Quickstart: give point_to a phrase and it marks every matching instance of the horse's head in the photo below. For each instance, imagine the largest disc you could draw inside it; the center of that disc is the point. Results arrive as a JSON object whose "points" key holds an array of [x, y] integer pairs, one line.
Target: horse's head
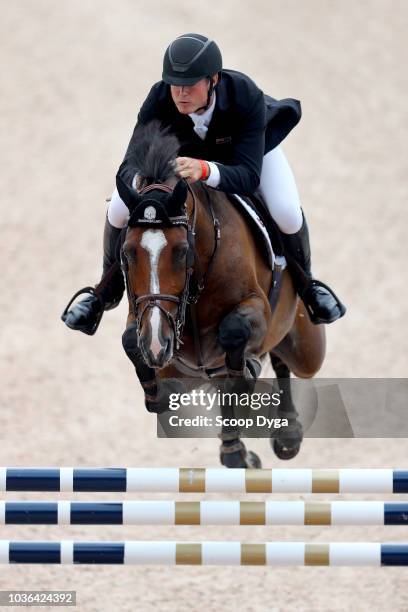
{"points": [[158, 257]]}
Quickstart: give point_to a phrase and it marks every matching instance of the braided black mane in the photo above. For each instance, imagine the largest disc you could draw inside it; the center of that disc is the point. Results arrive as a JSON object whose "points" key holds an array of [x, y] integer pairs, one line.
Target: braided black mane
{"points": [[154, 152]]}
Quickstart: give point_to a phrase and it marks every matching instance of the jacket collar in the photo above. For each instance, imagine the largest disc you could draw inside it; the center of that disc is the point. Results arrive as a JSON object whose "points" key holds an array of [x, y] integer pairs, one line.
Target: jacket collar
{"points": [[222, 95]]}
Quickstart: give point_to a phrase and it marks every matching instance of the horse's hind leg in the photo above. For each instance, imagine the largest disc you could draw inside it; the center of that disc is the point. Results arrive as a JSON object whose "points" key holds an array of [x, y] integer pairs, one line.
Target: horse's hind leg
{"points": [[303, 348], [302, 352], [238, 329], [286, 443]]}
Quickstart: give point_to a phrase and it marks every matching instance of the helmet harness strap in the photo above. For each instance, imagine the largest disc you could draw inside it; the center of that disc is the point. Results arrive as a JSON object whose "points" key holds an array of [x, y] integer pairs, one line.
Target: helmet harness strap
{"points": [[209, 95]]}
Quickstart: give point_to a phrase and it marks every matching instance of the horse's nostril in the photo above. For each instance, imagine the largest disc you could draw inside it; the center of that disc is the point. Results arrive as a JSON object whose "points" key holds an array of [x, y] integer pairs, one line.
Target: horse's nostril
{"points": [[169, 347]]}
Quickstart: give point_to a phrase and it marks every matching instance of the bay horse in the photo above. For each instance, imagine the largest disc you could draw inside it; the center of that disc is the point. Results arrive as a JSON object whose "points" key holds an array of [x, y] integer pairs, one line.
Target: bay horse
{"points": [[198, 285]]}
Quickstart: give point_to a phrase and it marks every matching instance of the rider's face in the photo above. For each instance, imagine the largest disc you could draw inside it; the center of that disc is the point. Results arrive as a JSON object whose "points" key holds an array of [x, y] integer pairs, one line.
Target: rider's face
{"points": [[188, 98]]}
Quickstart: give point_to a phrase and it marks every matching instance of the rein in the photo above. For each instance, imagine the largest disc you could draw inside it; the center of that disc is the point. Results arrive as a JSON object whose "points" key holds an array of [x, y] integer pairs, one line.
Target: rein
{"points": [[141, 304]]}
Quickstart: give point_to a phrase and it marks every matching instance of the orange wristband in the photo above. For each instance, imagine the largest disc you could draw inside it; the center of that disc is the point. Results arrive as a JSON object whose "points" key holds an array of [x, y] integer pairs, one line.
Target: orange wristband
{"points": [[205, 170]]}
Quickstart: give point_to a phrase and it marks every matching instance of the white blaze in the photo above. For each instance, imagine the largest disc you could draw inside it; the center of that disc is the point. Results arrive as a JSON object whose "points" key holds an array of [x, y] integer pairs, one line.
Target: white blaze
{"points": [[153, 241]]}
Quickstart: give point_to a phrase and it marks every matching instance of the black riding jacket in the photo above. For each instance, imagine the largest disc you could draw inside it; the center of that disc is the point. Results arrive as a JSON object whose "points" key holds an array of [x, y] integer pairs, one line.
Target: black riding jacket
{"points": [[244, 126]]}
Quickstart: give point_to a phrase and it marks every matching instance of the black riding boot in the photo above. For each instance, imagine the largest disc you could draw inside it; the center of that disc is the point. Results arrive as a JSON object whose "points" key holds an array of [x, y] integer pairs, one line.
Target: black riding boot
{"points": [[321, 302], [86, 315]]}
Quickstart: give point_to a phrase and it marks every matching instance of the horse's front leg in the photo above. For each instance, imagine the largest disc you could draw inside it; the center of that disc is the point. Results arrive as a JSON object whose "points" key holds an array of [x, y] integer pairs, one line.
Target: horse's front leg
{"points": [[157, 385], [147, 376], [240, 333]]}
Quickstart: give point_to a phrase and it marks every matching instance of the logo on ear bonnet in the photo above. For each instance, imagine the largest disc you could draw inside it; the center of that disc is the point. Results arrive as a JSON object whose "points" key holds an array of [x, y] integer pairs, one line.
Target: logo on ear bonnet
{"points": [[149, 213]]}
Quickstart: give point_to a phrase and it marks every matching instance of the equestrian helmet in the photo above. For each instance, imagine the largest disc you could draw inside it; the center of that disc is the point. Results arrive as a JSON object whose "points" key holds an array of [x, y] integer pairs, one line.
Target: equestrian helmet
{"points": [[190, 58]]}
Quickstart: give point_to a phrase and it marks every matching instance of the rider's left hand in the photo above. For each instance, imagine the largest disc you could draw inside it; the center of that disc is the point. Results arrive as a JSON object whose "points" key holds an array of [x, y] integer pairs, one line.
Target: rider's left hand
{"points": [[189, 168]]}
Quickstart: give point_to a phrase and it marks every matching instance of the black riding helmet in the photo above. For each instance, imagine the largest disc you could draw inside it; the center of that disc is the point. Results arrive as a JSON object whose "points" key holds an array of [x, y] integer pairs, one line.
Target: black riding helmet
{"points": [[190, 58]]}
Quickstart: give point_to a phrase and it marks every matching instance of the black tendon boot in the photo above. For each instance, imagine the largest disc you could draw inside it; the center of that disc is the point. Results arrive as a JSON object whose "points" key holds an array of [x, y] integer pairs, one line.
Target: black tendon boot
{"points": [[321, 302], [86, 315]]}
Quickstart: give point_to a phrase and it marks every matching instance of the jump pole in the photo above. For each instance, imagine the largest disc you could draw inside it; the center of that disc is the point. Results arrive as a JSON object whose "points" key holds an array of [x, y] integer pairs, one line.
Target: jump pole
{"points": [[204, 480], [205, 553], [204, 513]]}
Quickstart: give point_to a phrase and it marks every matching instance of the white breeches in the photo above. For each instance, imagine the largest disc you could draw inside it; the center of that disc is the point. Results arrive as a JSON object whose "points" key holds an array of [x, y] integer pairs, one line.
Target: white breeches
{"points": [[118, 213], [277, 187], [279, 191]]}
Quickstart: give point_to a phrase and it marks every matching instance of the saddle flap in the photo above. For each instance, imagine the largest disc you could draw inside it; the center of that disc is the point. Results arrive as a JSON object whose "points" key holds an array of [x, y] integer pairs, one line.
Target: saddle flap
{"points": [[263, 226]]}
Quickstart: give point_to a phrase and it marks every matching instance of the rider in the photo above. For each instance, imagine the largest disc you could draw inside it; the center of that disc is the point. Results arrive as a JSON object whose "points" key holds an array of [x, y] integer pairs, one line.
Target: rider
{"points": [[229, 133]]}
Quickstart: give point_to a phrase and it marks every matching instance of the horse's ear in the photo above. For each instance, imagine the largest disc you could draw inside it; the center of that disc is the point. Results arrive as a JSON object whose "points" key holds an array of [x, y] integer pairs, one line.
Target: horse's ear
{"points": [[127, 194], [179, 195]]}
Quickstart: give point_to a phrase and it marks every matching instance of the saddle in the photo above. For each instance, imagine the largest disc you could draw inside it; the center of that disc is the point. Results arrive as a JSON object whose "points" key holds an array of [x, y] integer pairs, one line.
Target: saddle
{"points": [[269, 238], [258, 206]]}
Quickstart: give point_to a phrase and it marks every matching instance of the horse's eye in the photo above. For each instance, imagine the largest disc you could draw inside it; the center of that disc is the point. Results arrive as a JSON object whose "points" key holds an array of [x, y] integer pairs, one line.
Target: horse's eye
{"points": [[180, 251], [129, 252]]}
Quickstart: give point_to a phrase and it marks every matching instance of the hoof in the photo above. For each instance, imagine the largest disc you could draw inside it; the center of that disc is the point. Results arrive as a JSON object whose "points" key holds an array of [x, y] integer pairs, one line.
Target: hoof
{"points": [[233, 460], [285, 452], [253, 461], [233, 453], [287, 442], [240, 458], [165, 387], [155, 406]]}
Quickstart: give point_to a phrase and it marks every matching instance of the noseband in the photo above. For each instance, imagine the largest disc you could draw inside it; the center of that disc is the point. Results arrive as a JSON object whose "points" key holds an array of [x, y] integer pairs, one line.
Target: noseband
{"points": [[142, 304]]}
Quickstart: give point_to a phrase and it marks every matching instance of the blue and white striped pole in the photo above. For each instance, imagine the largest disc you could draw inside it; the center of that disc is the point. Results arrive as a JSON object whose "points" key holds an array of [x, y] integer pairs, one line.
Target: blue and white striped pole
{"points": [[206, 553], [204, 513], [204, 480]]}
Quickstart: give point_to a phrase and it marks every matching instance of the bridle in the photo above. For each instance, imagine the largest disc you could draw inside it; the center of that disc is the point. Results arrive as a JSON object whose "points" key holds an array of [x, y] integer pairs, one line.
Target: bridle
{"points": [[140, 305]]}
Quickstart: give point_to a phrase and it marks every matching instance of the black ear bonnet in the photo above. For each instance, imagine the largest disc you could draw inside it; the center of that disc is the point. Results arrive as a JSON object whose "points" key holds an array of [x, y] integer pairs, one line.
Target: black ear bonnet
{"points": [[155, 207]]}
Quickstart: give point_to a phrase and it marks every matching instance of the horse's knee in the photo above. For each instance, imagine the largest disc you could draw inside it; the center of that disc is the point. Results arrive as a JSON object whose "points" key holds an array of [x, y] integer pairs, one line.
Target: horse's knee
{"points": [[234, 331], [129, 342]]}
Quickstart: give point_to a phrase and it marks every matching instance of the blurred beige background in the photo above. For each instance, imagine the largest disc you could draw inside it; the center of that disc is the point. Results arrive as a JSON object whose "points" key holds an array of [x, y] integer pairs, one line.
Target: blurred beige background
{"points": [[73, 75]]}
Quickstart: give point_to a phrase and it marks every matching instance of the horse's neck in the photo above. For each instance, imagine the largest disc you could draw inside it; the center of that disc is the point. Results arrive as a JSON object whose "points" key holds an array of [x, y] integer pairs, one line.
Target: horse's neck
{"points": [[204, 220], [205, 232]]}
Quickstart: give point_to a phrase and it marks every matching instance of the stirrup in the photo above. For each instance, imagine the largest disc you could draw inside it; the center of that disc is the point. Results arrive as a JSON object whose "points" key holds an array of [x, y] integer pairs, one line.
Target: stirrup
{"points": [[90, 331], [313, 317]]}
